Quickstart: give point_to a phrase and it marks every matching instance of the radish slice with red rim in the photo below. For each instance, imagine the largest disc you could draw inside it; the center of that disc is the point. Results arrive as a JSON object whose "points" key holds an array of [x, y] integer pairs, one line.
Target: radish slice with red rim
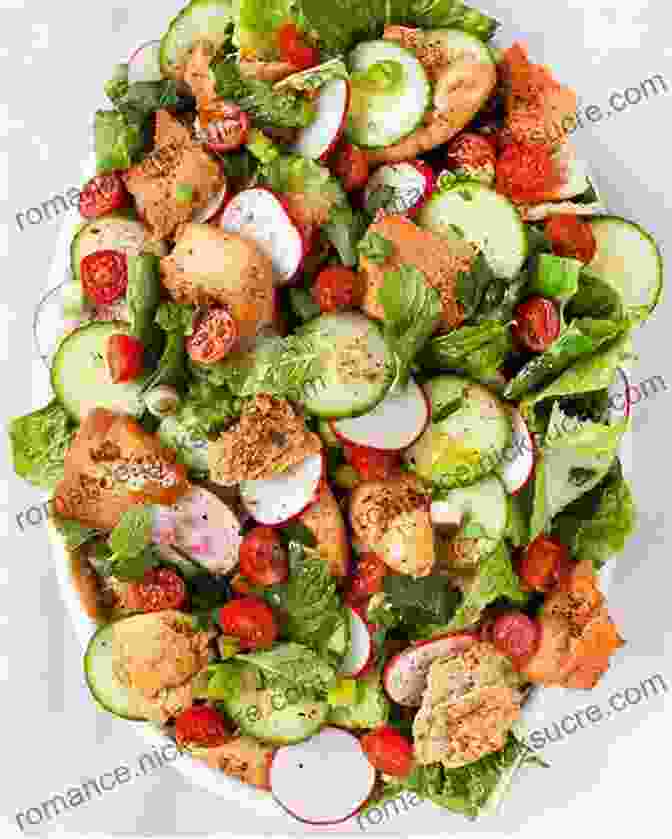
{"points": [[361, 646], [405, 675], [259, 214], [399, 188], [323, 780], [145, 65], [277, 500], [393, 425], [211, 209], [518, 459], [317, 140]]}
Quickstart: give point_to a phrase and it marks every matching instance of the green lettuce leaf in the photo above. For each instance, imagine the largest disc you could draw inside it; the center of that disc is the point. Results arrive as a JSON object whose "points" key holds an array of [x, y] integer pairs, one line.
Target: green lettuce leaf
{"points": [[73, 533], [574, 458], [295, 664], [412, 312], [478, 351], [311, 600], [494, 579], [257, 24], [119, 141], [206, 409], [343, 22], [39, 442], [422, 600]]}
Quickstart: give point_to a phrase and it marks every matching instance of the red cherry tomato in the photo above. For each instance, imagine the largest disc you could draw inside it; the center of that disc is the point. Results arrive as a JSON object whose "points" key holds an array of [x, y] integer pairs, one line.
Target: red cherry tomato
{"points": [[372, 465], [104, 276], [526, 172], [214, 337], [515, 635], [160, 589], [124, 358], [102, 195], [294, 50], [263, 559], [388, 751], [202, 726], [571, 236], [371, 571], [251, 621], [351, 165], [537, 324], [472, 155], [225, 128], [336, 288], [543, 563]]}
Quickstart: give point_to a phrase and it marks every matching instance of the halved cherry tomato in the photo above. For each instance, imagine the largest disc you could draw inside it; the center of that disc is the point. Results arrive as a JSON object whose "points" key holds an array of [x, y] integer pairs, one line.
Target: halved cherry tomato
{"points": [[214, 337], [537, 324], [263, 558], [251, 621], [388, 751], [336, 288], [293, 48], [102, 195], [543, 563], [372, 465], [516, 635], [104, 276], [202, 726], [351, 165], [160, 589], [571, 236], [472, 155], [124, 358], [526, 172], [371, 571]]}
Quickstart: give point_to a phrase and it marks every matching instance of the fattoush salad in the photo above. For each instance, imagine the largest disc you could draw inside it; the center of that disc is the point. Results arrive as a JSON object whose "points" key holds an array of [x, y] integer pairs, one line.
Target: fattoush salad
{"points": [[333, 443]]}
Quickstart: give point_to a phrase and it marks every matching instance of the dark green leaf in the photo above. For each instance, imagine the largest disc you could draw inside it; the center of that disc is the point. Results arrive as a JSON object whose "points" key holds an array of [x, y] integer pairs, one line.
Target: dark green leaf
{"points": [[39, 442], [423, 600], [134, 532], [470, 286], [376, 247]]}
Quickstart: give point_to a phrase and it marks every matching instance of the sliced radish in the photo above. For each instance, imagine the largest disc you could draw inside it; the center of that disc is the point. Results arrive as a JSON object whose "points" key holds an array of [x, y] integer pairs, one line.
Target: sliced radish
{"points": [[405, 675], [202, 526], [518, 459], [283, 497], [211, 209], [145, 65], [361, 646], [324, 780], [399, 188], [393, 425], [260, 215], [320, 138]]}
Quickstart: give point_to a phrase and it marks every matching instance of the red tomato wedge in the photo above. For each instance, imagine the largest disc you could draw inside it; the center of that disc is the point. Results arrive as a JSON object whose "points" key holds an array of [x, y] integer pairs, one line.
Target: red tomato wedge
{"points": [[160, 589], [102, 195], [263, 558], [125, 356], [201, 725], [571, 236], [251, 621], [372, 465], [335, 289], [104, 276], [543, 563], [537, 324], [293, 48], [388, 751], [351, 165], [516, 635], [214, 337]]}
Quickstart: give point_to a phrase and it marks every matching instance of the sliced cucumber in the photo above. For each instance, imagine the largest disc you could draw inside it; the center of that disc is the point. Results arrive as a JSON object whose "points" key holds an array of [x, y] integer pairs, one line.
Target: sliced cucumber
{"points": [[629, 261], [79, 375], [466, 439], [116, 232], [279, 716], [379, 117], [481, 512], [371, 710], [106, 689], [357, 366], [485, 217], [209, 20]]}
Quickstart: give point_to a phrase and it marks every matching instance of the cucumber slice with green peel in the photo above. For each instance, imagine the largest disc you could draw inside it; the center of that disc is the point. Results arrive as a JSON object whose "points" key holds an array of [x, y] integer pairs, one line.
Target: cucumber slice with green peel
{"points": [[79, 375], [484, 217], [370, 711], [381, 116], [116, 232], [277, 715], [629, 261], [470, 522], [106, 689], [357, 370], [201, 20], [466, 440]]}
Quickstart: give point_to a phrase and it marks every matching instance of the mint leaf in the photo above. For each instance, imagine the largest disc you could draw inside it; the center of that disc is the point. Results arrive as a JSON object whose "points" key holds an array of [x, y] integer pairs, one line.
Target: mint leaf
{"points": [[134, 532], [412, 310], [295, 663], [39, 442], [422, 600]]}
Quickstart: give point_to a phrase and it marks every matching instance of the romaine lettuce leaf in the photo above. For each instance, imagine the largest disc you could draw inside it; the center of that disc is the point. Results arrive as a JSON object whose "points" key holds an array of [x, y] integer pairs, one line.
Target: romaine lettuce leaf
{"points": [[295, 664], [119, 141], [39, 442], [479, 351], [574, 458], [342, 22]]}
